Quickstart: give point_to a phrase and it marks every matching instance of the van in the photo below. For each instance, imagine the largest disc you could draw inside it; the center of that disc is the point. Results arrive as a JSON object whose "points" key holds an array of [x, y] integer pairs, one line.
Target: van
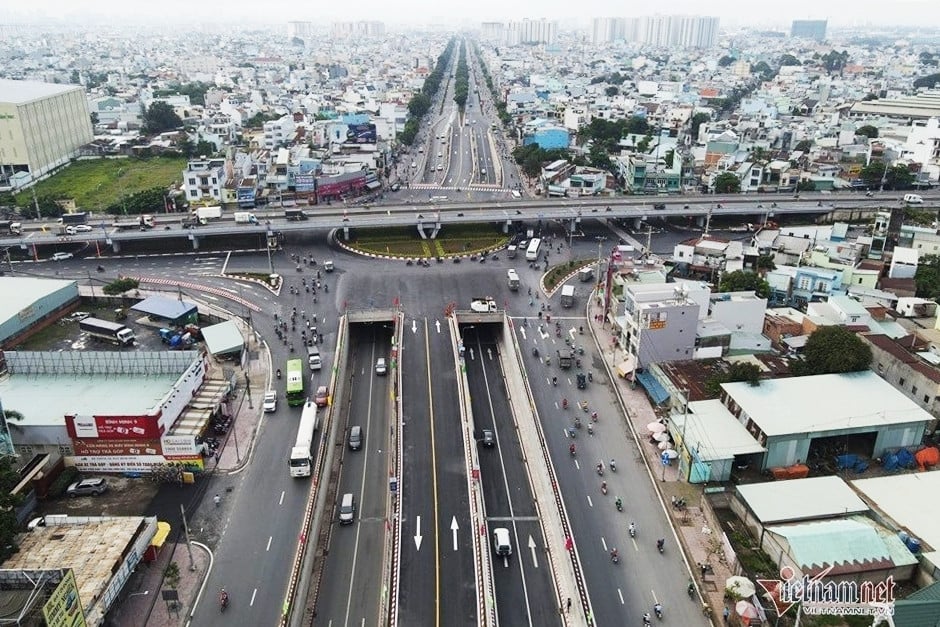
{"points": [[511, 251], [501, 543], [355, 438], [913, 199], [347, 509], [516, 193], [313, 358]]}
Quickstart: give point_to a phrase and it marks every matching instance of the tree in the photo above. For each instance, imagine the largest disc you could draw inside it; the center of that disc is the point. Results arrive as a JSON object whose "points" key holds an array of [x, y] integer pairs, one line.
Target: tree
{"points": [[670, 158], [806, 186], [835, 61], [895, 177], [788, 59], [726, 60], [727, 183], [832, 349], [9, 478], [697, 120], [204, 148], [868, 131], [186, 146], [738, 371], [766, 263], [930, 81], [644, 144], [744, 281], [599, 158], [804, 145], [161, 117], [612, 91], [927, 277]]}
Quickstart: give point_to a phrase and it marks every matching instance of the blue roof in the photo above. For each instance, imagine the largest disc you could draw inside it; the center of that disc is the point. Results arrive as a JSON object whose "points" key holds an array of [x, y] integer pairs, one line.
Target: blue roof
{"points": [[653, 387], [168, 308]]}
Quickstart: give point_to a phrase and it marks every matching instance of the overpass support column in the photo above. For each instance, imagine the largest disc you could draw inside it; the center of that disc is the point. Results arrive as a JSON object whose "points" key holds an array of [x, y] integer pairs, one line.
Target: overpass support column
{"points": [[115, 245], [700, 221], [507, 225], [421, 231], [637, 223], [194, 240], [346, 233], [437, 229]]}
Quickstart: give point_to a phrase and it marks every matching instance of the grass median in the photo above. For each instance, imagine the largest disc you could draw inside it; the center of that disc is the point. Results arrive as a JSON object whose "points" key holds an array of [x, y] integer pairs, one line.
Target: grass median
{"points": [[451, 240]]}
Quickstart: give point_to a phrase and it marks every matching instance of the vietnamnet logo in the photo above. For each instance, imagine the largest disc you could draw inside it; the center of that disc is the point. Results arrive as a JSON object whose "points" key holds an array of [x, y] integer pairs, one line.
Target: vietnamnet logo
{"points": [[840, 598]]}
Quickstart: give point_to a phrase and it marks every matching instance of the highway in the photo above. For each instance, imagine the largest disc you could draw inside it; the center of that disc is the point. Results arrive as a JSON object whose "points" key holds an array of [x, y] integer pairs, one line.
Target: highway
{"points": [[351, 588], [523, 581]]}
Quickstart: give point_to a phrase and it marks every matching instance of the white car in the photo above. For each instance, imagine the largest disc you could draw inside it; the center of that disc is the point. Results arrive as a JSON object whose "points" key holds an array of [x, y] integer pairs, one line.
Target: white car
{"points": [[270, 401], [61, 256], [83, 228]]}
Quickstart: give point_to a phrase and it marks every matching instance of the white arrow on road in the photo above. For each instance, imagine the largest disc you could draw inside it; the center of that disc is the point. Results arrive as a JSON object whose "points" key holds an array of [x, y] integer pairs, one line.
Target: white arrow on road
{"points": [[414, 326], [522, 332], [471, 355], [437, 324], [489, 353], [418, 537], [453, 528], [535, 557]]}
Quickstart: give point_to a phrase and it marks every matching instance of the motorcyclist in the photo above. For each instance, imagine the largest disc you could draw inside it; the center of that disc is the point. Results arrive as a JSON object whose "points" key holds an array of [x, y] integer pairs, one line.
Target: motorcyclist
{"points": [[613, 465], [658, 610], [661, 544], [554, 380], [216, 499], [646, 618], [619, 503], [572, 448], [632, 529], [614, 555], [600, 468], [604, 487], [223, 597], [278, 373]]}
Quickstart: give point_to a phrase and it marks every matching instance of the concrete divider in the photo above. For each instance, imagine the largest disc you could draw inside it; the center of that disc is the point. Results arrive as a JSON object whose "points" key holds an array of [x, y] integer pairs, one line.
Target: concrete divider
{"points": [[560, 547], [393, 535]]}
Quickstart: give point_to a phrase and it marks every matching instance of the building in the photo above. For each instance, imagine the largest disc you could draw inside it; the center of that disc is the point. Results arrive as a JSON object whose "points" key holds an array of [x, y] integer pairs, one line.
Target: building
{"points": [[658, 322], [29, 305], [279, 133], [527, 31], [922, 106], [42, 127], [809, 29], [203, 179], [358, 29], [492, 31], [682, 31], [299, 30]]}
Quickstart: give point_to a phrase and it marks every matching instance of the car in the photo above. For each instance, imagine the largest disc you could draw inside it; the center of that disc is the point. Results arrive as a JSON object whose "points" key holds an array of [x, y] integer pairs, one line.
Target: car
{"points": [[83, 228], [322, 397], [61, 256], [381, 367], [78, 316], [659, 205], [440, 166], [501, 542], [396, 187], [270, 401], [88, 487], [489, 438]]}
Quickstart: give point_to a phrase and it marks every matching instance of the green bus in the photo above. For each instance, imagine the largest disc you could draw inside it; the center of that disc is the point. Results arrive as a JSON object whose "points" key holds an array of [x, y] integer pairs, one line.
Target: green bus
{"points": [[295, 382]]}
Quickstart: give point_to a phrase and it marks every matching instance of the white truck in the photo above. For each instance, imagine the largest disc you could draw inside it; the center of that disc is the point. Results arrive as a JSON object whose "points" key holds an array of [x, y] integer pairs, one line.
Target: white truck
{"points": [[512, 279], [245, 217], [11, 228], [141, 222], [301, 457], [203, 214], [484, 304], [567, 296], [108, 331]]}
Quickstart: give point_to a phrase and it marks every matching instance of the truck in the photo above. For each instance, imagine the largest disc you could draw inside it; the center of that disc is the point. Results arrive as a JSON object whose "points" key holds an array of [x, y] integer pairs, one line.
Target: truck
{"points": [[176, 339], [586, 274], [567, 296], [80, 217], [245, 217], [512, 279], [301, 457], [511, 251], [108, 331], [483, 304], [142, 222], [202, 215], [295, 215], [12, 228], [565, 357]]}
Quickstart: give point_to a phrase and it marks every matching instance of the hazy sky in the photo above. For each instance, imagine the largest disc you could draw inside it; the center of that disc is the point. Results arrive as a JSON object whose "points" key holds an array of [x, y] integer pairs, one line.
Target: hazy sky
{"points": [[923, 13]]}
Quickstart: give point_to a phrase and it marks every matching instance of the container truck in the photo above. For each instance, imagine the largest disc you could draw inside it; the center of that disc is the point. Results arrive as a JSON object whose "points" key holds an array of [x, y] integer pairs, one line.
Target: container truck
{"points": [[203, 214], [108, 331], [141, 222], [301, 457], [567, 295], [512, 279], [295, 215], [80, 217], [245, 217]]}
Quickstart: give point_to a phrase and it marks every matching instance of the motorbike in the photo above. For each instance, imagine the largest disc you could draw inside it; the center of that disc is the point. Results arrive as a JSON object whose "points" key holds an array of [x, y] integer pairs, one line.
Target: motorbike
{"points": [[223, 601], [600, 470], [555, 381], [535, 352], [604, 487], [572, 449], [564, 403], [279, 373], [100, 268], [614, 557], [658, 610], [619, 504], [691, 589], [661, 545], [591, 428], [613, 466], [577, 422], [632, 529], [594, 416]]}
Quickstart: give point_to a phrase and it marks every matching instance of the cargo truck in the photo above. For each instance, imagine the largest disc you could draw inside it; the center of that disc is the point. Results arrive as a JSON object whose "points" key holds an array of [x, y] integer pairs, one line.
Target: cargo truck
{"points": [[80, 217], [567, 295], [142, 222], [301, 458], [245, 217], [295, 215], [483, 305], [108, 331], [202, 215], [11, 228], [586, 274], [512, 279]]}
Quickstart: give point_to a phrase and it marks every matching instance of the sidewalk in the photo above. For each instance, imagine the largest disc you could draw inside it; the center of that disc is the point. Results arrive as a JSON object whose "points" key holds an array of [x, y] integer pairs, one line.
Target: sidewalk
{"points": [[695, 527]]}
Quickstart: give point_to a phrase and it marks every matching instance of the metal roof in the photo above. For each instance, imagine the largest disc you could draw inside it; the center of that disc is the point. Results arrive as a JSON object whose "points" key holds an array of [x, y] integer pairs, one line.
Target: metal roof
{"points": [[21, 293], [22, 92], [910, 500], [801, 499], [824, 402], [714, 432], [167, 308], [224, 337]]}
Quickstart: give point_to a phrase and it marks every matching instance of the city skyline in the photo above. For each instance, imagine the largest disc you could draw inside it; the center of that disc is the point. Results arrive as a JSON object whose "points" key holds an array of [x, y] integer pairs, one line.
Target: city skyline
{"points": [[840, 13]]}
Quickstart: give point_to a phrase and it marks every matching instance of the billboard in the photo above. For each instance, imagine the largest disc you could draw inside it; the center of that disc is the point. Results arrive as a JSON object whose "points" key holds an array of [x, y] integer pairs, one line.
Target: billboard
{"points": [[305, 182], [116, 447], [64, 608], [182, 446], [360, 134], [113, 427], [113, 463]]}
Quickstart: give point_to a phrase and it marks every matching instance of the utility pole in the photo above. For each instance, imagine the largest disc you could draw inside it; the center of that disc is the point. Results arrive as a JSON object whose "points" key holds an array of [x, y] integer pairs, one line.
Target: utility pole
{"points": [[189, 546]]}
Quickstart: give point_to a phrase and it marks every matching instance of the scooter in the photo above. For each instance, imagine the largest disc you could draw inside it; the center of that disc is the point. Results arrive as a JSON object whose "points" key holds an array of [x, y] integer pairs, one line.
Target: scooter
{"points": [[614, 557], [619, 504], [223, 601], [604, 487], [661, 545]]}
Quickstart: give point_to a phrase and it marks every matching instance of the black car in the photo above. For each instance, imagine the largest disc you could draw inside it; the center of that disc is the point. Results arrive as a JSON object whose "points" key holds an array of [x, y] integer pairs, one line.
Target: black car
{"points": [[582, 381], [659, 205], [489, 438]]}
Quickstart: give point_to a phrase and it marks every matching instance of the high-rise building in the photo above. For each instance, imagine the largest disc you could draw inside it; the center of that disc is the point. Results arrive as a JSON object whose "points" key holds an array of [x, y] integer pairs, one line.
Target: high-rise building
{"points": [[810, 29], [300, 30], [42, 126], [684, 31], [358, 29], [539, 31], [492, 31]]}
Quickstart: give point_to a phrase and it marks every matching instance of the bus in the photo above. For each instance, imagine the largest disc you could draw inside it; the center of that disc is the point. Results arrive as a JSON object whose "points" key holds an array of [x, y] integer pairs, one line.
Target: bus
{"points": [[532, 252], [301, 456], [295, 382]]}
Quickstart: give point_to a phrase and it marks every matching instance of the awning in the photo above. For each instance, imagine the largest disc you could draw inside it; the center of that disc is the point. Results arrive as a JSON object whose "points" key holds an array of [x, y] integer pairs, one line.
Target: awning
{"points": [[654, 388], [163, 532], [373, 185], [627, 366]]}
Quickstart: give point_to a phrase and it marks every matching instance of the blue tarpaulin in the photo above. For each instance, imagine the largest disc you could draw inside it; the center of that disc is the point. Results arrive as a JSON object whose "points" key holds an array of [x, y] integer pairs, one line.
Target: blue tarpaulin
{"points": [[653, 387]]}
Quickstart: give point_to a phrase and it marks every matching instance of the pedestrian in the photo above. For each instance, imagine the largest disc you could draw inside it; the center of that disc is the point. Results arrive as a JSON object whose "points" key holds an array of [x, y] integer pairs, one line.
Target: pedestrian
{"points": [[568, 606], [725, 613]]}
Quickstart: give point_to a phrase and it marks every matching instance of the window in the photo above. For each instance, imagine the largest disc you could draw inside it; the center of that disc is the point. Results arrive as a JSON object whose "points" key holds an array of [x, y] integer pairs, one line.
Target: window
{"points": [[914, 390], [926, 399], [804, 283], [901, 381], [192, 181]]}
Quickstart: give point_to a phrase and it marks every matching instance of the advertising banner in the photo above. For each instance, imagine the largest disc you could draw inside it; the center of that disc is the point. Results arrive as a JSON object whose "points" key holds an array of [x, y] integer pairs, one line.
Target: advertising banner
{"points": [[360, 134], [64, 608], [113, 427], [305, 182], [116, 447], [178, 445], [104, 463]]}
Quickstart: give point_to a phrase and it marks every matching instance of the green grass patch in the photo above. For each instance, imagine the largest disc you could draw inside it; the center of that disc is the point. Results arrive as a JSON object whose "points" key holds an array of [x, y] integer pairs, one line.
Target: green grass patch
{"points": [[97, 183], [556, 274], [462, 239]]}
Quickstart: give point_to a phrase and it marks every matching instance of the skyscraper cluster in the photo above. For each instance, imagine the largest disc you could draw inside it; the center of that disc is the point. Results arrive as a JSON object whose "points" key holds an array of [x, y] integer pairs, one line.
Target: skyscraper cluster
{"points": [[685, 31]]}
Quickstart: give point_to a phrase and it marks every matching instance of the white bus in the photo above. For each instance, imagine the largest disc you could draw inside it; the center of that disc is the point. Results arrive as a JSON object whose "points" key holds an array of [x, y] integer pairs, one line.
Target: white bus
{"points": [[301, 457], [532, 252]]}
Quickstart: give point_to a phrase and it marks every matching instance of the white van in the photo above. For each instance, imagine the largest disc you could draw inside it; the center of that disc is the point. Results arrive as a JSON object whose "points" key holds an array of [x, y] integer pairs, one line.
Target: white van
{"points": [[501, 543], [347, 509], [313, 358], [913, 199]]}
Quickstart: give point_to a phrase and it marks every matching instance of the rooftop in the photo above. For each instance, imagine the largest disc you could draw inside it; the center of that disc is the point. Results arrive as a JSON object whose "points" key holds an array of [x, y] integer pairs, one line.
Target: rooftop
{"points": [[21, 293], [909, 499], [801, 499], [23, 92], [825, 402], [714, 432]]}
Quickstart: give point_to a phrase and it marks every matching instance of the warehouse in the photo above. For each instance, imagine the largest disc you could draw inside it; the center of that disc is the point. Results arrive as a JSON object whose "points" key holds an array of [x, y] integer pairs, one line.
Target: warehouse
{"points": [[29, 305], [42, 126]]}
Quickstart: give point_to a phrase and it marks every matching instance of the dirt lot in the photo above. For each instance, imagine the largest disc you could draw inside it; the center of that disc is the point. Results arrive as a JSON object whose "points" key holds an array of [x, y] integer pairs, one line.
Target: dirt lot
{"points": [[125, 497]]}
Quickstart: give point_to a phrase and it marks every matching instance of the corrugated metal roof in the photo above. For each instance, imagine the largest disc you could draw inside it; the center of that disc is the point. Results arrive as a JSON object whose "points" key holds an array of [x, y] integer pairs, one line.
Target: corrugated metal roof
{"points": [[910, 500], [168, 308], [714, 432], [223, 338], [22, 92], [801, 499]]}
